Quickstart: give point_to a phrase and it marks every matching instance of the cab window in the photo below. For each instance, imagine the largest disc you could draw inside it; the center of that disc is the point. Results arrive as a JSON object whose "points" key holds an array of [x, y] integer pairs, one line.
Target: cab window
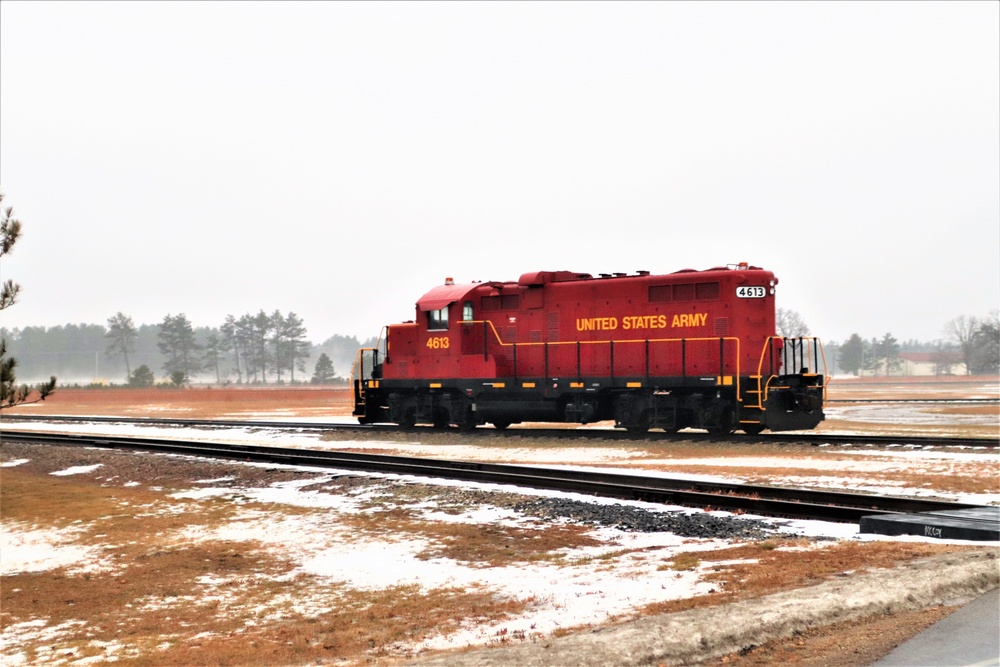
{"points": [[437, 320], [467, 312]]}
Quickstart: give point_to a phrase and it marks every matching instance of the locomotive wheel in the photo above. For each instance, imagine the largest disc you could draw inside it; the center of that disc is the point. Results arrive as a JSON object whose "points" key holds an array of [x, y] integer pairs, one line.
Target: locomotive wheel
{"points": [[441, 418], [500, 425], [753, 429], [726, 423], [468, 421], [409, 419], [641, 425]]}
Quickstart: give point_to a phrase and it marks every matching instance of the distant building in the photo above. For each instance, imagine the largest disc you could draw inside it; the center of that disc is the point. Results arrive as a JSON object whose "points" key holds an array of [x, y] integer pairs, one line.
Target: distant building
{"points": [[945, 362]]}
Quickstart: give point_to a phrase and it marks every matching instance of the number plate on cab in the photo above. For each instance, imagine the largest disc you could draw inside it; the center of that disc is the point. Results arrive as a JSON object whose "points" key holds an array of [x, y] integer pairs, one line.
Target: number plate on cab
{"points": [[745, 292]]}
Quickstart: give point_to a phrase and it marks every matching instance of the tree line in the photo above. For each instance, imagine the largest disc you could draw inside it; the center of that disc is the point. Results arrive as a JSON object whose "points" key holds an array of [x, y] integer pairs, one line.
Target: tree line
{"points": [[969, 344], [252, 346], [272, 348], [256, 348]]}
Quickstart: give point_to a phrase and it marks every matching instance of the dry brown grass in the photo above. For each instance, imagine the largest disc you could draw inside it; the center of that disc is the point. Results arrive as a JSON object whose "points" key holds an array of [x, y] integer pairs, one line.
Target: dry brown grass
{"points": [[777, 565], [977, 410], [932, 388], [152, 595], [855, 644], [837, 426], [193, 402], [152, 599], [475, 545], [498, 546]]}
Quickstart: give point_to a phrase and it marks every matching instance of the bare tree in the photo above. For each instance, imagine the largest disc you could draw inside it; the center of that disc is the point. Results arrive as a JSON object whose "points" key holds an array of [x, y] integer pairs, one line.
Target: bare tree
{"points": [[789, 323], [944, 358], [962, 332]]}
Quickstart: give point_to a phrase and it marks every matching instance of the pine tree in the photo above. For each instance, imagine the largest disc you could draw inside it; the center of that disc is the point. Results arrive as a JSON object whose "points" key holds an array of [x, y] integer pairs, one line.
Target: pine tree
{"points": [[121, 336], [10, 393], [177, 341], [142, 377], [887, 351], [323, 373], [294, 347], [851, 355]]}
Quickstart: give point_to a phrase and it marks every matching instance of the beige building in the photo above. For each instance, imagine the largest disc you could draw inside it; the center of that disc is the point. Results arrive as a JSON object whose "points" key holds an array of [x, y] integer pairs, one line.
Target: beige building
{"points": [[931, 363]]}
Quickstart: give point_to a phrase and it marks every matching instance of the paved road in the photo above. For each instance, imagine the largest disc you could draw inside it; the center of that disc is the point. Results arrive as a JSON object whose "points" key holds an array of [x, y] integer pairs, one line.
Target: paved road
{"points": [[968, 638]]}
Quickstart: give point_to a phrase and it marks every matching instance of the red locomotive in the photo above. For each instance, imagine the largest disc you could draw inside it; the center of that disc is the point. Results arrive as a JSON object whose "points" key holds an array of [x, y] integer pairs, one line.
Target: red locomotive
{"points": [[688, 349]]}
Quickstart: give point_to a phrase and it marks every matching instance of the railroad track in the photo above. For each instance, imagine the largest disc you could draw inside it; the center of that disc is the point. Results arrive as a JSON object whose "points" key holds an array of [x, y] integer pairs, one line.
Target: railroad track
{"points": [[988, 400], [519, 432], [746, 498]]}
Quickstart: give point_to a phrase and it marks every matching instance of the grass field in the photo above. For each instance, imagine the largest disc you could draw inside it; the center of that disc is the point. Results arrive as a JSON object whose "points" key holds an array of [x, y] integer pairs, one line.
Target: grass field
{"points": [[956, 419], [137, 564]]}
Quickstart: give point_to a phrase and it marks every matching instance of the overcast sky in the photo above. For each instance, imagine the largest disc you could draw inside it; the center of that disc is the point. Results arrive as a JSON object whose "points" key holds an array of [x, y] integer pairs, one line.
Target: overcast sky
{"points": [[338, 160]]}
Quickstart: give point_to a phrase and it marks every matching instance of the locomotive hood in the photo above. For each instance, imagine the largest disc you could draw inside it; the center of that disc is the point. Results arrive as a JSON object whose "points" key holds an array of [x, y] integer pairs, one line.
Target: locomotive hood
{"points": [[443, 296]]}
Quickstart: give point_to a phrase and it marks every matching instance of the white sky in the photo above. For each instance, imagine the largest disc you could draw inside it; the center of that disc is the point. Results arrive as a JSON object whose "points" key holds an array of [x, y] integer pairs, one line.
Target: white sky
{"points": [[338, 160]]}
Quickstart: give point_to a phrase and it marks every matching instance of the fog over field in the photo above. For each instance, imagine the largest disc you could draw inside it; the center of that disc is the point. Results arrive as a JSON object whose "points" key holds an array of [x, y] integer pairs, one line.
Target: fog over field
{"points": [[337, 160]]}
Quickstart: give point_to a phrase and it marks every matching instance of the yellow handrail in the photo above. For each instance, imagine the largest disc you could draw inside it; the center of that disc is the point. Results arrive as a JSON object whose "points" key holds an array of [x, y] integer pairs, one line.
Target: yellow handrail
{"points": [[765, 388], [608, 341]]}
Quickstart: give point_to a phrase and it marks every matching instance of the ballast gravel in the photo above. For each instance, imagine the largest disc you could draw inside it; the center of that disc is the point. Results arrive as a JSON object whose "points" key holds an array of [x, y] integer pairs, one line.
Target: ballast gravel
{"points": [[636, 519]]}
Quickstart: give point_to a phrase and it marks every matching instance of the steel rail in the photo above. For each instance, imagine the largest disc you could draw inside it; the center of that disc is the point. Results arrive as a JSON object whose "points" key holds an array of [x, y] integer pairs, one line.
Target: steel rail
{"points": [[913, 400], [754, 499], [543, 432], [176, 421]]}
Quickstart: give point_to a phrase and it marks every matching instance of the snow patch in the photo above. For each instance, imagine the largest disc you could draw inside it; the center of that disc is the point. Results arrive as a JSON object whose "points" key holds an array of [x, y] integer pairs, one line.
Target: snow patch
{"points": [[25, 549], [76, 470]]}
